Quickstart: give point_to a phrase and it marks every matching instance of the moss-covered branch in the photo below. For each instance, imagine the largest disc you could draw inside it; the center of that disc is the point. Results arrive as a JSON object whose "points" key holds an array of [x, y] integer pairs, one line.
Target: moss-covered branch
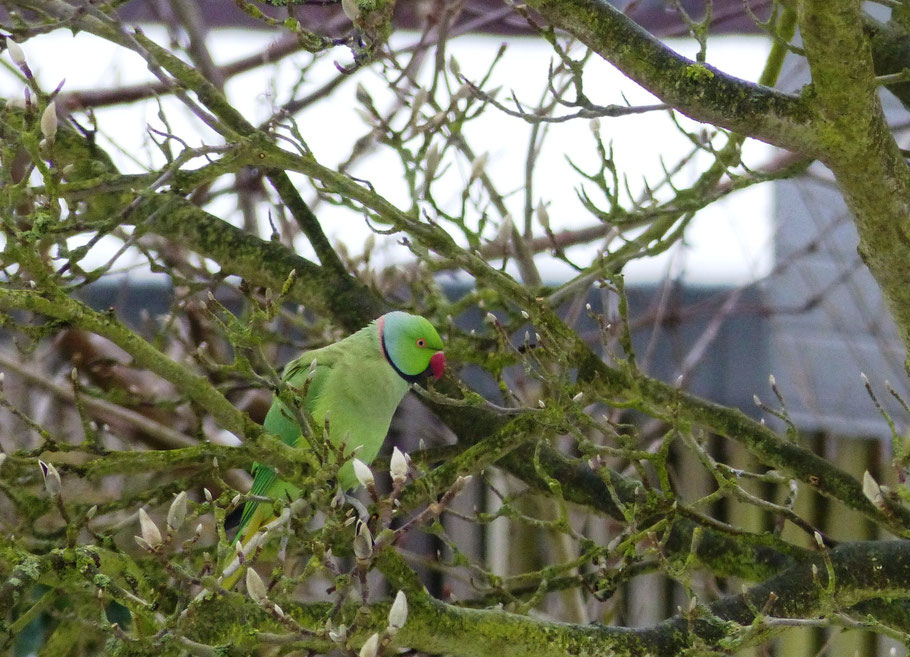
{"points": [[861, 572], [858, 145], [701, 92], [61, 307], [262, 263]]}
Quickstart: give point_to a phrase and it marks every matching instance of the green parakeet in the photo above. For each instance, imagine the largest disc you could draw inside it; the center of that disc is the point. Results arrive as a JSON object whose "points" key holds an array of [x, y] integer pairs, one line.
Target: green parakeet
{"points": [[357, 383]]}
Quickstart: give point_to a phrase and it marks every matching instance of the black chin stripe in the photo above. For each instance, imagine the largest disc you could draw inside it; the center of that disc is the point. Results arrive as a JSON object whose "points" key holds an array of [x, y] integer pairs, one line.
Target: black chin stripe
{"points": [[410, 378]]}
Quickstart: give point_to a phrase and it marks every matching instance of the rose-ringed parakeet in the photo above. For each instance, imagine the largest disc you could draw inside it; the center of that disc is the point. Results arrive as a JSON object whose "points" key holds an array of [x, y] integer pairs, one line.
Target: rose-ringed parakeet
{"points": [[356, 383]]}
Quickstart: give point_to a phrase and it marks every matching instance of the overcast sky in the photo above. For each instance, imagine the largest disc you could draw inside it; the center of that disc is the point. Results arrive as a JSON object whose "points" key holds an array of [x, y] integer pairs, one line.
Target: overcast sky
{"points": [[729, 242]]}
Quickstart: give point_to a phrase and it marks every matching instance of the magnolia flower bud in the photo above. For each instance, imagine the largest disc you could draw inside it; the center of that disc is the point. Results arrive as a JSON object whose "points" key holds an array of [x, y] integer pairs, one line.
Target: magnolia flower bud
{"points": [[398, 466], [398, 613], [872, 490], [49, 122], [15, 53], [339, 634], [543, 217], [2, 459], [93, 510], [149, 529], [363, 541], [595, 127], [52, 483], [819, 539], [144, 544], [363, 473], [370, 647], [351, 9], [177, 513], [208, 494], [338, 499], [255, 587], [362, 95], [506, 228]]}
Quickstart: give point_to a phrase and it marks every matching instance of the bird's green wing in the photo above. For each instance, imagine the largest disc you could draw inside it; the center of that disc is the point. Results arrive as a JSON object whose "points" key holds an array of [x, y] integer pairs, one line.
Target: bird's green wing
{"points": [[360, 398], [280, 422]]}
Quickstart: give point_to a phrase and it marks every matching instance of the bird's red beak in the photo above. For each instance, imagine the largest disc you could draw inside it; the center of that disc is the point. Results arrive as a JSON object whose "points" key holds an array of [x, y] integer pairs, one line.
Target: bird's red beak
{"points": [[438, 364]]}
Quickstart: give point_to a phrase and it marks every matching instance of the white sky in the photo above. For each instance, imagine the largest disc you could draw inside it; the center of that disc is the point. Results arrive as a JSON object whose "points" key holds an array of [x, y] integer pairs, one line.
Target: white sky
{"points": [[729, 242]]}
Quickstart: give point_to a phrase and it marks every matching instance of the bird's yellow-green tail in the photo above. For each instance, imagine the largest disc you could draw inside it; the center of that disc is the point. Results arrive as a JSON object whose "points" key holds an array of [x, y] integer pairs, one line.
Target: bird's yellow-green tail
{"points": [[261, 515]]}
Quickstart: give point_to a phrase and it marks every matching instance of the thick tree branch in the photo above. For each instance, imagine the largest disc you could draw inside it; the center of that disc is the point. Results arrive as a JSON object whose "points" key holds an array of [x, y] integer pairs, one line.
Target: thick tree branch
{"points": [[61, 307], [701, 92], [865, 571], [858, 145]]}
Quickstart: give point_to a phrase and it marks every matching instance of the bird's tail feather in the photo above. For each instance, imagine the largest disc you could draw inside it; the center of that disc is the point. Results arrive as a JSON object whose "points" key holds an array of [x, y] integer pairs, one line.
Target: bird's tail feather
{"points": [[241, 542]]}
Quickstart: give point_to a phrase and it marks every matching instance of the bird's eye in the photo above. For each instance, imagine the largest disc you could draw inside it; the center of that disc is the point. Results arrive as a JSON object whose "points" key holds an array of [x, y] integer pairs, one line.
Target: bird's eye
{"points": [[421, 343]]}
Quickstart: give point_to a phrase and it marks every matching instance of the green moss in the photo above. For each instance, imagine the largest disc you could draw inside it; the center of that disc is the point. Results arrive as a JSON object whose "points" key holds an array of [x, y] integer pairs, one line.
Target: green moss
{"points": [[698, 73]]}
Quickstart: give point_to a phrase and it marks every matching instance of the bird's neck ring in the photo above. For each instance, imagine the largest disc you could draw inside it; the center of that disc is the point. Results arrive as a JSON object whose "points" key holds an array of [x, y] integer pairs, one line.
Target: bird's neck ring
{"points": [[380, 326]]}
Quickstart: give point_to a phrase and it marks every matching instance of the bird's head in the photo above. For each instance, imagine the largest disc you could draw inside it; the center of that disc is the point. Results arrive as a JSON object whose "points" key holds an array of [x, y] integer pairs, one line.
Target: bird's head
{"points": [[411, 345]]}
